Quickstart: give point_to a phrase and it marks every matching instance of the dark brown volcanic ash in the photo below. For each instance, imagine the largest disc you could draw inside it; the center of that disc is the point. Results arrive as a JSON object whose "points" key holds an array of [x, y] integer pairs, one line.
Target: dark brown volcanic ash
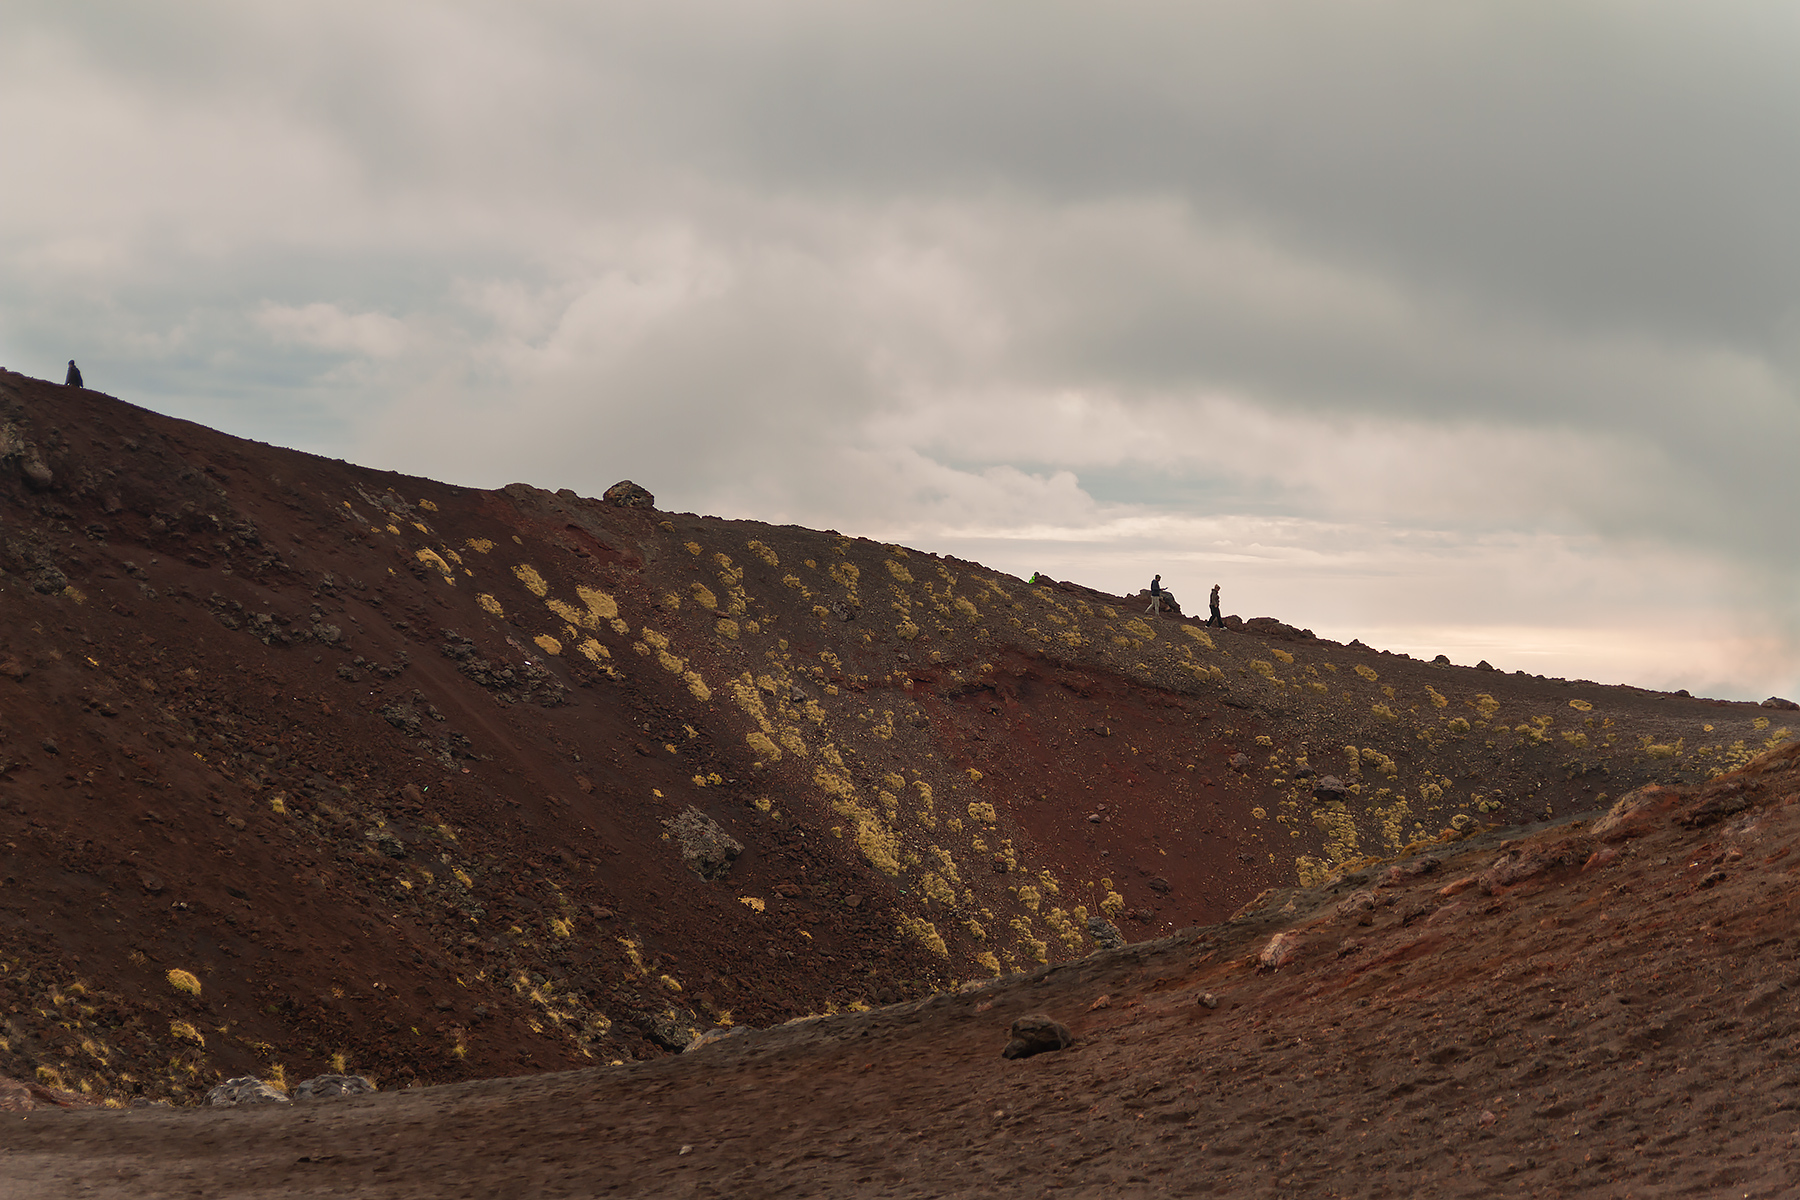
{"points": [[307, 766], [1590, 1007]]}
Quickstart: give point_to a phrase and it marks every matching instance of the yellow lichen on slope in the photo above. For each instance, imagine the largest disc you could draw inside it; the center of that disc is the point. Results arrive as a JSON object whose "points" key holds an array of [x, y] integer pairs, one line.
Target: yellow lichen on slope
{"points": [[1199, 635], [603, 606], [529, 576], [490, 604], [924, 933], [432, 558], [874, 836], [766, 749]]}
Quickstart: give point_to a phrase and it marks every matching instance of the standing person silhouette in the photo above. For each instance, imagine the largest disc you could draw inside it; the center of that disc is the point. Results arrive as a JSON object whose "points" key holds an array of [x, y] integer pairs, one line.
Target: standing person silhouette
{"points": [[1216, 621], [74, 379], [1156, 595]]}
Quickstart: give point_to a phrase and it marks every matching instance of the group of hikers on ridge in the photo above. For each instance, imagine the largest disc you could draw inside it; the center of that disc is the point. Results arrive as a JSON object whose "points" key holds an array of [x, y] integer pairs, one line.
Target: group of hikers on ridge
{"points": [[1215, 621], [1156, 600]]}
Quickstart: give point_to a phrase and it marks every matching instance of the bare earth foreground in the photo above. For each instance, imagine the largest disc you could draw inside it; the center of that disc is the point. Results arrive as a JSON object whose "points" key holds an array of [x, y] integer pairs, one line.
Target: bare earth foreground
{"points": [[1596, 1007]]}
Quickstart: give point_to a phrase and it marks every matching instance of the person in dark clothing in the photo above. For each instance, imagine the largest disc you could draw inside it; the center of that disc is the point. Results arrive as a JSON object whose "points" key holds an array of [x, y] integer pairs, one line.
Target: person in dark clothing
{"points": [[74, 379], [1216, 621], [1156, 595]]}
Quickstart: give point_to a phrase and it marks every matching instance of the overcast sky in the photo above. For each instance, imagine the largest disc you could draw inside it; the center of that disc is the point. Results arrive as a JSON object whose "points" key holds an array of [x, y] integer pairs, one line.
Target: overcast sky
{"points": [[1456, 327]]}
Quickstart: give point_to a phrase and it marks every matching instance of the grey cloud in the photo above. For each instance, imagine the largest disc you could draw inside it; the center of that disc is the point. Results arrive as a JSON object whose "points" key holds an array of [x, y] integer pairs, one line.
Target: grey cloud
{"points": [[843, 263]]}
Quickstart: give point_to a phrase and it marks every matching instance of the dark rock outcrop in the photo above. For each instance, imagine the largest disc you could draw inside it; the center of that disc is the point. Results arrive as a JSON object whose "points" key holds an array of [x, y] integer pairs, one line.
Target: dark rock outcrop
{"points": [[324, 1087], [626, 494], [1328, 789], [1034, 1033], [705, 847], [1106, 935], [245, 1089]]}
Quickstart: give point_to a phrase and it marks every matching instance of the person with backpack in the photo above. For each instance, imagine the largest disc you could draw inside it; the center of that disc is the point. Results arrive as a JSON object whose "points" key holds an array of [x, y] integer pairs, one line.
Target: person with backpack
{"points": [[1156, 595]]}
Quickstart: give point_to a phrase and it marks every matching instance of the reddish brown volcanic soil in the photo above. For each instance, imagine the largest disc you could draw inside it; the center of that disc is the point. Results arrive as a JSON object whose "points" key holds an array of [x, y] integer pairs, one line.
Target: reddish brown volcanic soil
{"points": [[382, 767], [1590, 1008]]}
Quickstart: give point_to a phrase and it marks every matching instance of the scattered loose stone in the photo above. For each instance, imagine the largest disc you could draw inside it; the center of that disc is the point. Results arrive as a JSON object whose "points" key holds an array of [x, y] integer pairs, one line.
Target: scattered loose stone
{"points": [[1280, 950], [1208, 1000], [1510, 868], [387, 843], [1035, 1033]]}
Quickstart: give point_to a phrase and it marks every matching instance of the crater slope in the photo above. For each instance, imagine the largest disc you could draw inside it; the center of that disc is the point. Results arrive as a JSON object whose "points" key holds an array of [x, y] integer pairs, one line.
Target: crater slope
{"points": [[306, 766]]}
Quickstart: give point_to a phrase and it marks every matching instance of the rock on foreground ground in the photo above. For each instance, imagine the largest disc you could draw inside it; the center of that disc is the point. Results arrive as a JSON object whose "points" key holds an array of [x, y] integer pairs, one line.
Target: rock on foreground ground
{"points": [[1592, 1007]]}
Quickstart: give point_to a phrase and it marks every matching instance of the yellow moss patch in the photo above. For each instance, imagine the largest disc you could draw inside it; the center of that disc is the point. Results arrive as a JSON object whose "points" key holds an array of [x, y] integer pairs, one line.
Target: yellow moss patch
{"points": [[1367, 672], [478, 545], [547, 644], [900, 573], [1581, 706], [1281, 654], [924, 933], [983, 812], [433, 559], [603, 606], [703, 595], [1437, 697], [184, 981], [765, 749], [490, 604], [727, 628], [531, 579], [1487, 706], [186, 1033], [763, 552]]}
